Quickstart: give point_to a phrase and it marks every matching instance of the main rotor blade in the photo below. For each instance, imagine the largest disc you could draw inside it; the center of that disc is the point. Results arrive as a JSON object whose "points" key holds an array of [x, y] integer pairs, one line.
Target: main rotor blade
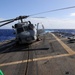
{"points": [[7, 23], [17, 18], [12, 20], [53, 10], [5, 20]]}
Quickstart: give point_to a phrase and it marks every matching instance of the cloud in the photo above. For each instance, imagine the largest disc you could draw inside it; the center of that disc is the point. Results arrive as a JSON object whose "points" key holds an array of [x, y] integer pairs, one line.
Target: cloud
{"points": [[55, 23], [72, 14], [49, 23], [1, 19]]}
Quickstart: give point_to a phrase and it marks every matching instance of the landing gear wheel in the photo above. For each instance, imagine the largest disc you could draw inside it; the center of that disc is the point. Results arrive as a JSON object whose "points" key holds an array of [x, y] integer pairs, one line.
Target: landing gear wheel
{"points": [[38, 39]]}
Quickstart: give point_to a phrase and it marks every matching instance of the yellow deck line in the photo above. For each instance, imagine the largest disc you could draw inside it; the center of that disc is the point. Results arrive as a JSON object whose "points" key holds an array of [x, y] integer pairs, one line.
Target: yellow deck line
{"points": [[35, 59], [68, 49], [56, 40]]}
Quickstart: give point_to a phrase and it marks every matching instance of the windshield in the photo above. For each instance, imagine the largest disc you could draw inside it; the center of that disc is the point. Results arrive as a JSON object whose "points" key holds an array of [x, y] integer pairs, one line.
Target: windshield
{"points": [[19, 30], [26, 28], [29, 27]]}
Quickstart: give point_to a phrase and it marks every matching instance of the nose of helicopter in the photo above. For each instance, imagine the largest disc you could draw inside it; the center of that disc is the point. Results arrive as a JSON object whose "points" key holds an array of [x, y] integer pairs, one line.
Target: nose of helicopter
{"points": [[25, 36]]}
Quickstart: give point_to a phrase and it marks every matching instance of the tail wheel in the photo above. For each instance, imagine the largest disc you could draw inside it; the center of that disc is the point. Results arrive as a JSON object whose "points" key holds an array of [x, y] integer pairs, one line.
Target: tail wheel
{"points": [[38, 39]]}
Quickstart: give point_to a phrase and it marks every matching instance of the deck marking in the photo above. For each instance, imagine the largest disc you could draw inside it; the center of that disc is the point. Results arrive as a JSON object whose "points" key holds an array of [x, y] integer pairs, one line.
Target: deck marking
{"points": [[55, 40], [68, 49], [35, 59]]}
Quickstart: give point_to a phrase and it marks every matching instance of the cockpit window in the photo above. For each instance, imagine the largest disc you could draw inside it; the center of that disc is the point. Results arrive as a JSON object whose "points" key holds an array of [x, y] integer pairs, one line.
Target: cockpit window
{"points": [[19, 30], [26, 28], [29, 27]]}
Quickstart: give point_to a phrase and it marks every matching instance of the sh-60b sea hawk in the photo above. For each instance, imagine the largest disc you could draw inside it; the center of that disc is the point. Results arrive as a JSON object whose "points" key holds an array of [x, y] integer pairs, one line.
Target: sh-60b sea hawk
{"points": [[25, 32]]}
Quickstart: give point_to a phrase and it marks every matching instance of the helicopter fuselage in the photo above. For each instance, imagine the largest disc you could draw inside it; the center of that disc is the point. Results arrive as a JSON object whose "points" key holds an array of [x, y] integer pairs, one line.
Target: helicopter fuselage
{"points": [[25, 33]]}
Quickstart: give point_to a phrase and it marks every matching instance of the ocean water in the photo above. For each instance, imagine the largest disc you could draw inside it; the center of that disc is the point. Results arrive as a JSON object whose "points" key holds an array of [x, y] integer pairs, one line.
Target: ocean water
{"points": [[68, 32], [6, 34], [71, 31]]}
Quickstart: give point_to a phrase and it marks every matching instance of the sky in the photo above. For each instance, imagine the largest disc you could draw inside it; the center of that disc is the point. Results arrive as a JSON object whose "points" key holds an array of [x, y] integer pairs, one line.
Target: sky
{"points": [[64, 19]]}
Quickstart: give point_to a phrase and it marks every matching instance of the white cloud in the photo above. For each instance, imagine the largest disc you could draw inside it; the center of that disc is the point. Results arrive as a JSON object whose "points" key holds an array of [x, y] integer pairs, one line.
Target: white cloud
{"points": [[54, 23], [72, 14], [50, 23], [1, 19]]}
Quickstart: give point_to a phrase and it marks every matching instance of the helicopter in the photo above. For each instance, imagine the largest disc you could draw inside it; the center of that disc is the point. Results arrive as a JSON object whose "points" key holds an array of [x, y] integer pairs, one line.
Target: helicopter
{"points": [[25, 31]]}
